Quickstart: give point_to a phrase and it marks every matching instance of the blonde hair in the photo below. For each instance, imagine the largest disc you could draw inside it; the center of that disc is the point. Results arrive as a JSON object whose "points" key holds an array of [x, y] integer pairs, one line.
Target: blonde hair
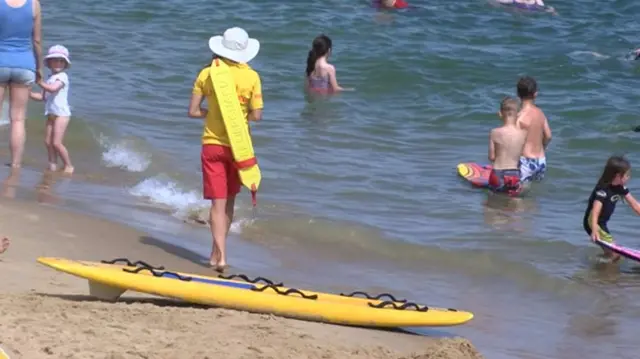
{"points": [[509, 107]]}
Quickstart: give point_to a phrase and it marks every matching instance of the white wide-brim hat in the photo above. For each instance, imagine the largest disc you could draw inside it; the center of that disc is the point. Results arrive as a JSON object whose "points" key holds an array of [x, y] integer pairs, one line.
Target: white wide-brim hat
{"points": [[58, 52], [235, 45]]}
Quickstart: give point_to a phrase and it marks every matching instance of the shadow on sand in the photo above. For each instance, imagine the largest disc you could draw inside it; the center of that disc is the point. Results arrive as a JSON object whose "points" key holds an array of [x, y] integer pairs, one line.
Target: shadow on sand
{"points": [[161, 302], [176, 250]]}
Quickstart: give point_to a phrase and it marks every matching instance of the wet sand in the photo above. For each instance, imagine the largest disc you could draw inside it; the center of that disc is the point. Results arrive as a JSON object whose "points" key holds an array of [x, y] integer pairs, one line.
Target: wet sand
{"points": [[46, 313]]}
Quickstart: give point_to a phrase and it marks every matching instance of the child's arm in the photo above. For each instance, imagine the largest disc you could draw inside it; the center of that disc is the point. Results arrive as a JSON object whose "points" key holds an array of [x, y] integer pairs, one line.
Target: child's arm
{"points": [[593, 220], [256, 103], [53, 88], [255, 115], [37, 96], [633, 203], [197, 96], [334, 81], [492, 148], [195, 107]]}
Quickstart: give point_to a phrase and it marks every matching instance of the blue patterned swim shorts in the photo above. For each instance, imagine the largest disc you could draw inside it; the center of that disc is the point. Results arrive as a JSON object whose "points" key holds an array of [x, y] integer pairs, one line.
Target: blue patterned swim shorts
{"points": [[532, 169]]}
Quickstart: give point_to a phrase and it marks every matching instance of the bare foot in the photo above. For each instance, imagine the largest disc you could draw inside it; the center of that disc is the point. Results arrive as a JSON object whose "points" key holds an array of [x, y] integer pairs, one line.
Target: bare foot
{"points": [[14, 165], [4, 244], [213, 259], [68, 170], [221, 267], [216, 262], [53, 167]]}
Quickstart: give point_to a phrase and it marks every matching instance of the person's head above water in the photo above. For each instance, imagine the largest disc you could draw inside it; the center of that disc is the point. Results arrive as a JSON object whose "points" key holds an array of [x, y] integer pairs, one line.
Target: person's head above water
{"points": [[527, 88], [321, 46], [524, 4], [508, 110], [616, 172], [633, 55], [393, 4]]}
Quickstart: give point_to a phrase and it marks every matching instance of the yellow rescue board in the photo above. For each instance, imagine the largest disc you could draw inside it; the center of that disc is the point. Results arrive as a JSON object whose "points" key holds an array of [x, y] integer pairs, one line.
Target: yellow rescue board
{"points": [[235, 123], [110, 281]]}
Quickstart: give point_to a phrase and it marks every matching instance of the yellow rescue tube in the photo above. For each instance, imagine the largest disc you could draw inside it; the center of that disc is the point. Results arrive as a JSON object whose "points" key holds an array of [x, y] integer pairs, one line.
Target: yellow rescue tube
{"points": [[236, 125], [110, 281]]}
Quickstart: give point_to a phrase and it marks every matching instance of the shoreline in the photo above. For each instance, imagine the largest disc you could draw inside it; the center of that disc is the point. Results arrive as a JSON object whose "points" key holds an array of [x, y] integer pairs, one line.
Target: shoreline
{"points": [[50, 305]]}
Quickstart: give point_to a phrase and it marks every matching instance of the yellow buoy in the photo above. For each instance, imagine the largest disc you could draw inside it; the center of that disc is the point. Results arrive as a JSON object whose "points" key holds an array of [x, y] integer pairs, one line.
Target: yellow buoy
{"points": [[236, 126]]}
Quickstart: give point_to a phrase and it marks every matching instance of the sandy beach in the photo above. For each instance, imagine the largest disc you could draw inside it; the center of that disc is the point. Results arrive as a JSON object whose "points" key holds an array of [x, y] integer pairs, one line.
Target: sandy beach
{"points": [[48, 314]]}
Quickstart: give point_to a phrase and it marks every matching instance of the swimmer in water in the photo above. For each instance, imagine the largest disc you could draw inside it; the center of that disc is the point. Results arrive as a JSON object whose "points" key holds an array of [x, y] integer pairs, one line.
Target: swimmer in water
{"points": [[390, 4], [533, 162], [530, 5], [610, 189], [505, 148], [321, 75]]}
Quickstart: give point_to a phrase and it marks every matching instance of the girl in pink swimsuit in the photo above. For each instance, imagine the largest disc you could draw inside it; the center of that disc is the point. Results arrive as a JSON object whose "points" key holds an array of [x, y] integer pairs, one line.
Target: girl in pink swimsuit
{"points": [[321, 75]]}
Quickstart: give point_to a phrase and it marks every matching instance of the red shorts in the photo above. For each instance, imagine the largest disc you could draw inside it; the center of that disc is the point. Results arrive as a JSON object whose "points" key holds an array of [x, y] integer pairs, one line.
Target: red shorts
{"points": [[220, 178]]}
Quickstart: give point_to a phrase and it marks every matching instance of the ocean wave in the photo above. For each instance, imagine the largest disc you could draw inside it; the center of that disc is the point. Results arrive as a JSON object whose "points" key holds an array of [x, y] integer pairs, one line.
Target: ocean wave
{"points": [[123, 153], [184, 203]]}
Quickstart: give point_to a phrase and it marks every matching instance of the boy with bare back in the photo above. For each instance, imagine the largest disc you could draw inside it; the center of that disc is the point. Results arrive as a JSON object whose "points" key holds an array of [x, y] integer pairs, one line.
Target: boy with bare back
{"points": [[505, 148], [533, 163]]}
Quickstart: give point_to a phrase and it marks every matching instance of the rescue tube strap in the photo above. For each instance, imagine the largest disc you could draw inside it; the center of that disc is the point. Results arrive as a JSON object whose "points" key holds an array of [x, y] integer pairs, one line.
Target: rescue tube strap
{"points": [[247, 163]]}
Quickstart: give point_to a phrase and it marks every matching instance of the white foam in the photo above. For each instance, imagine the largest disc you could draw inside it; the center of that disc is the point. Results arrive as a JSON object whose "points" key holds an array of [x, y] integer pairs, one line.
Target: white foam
{"points": [[163, 191], [123, 154], [239, 224], [578, 54]]}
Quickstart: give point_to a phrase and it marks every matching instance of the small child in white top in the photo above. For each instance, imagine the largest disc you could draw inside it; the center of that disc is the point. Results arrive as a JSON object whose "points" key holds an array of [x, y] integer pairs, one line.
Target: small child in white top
{"points": [[55, 92]]}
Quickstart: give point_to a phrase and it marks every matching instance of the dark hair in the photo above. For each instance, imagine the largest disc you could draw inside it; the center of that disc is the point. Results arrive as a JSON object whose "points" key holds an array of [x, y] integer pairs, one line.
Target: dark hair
{"points": [[509, 107], [616, 165], [213, 57], [527, 87], [320, 47]]}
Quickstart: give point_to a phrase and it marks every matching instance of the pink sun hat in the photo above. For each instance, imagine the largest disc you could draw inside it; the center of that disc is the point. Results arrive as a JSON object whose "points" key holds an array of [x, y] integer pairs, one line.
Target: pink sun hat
{"points": [[58, 52]]}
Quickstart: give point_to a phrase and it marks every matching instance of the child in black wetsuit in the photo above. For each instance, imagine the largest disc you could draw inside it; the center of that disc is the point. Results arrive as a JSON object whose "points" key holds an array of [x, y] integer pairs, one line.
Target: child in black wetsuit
{"points": [[610, 189]]}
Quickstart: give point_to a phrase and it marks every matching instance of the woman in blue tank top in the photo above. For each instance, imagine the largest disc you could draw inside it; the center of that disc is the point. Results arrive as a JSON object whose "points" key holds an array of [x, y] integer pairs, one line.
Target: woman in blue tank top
{"points": [[20, 64]]}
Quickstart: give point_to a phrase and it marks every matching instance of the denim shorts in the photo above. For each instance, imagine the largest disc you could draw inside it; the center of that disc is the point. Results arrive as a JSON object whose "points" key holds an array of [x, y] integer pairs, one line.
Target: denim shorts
{"points": [[16, 76]]}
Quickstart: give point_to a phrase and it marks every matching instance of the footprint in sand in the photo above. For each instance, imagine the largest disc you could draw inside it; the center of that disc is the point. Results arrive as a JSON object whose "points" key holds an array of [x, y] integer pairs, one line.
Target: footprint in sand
{"points": [[66, 234], [33, 217], [4, 245]]}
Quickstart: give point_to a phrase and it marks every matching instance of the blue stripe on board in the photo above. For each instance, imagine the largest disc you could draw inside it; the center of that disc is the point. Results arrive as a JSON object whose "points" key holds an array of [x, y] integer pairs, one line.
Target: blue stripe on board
{"points": [[212, 281]]}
